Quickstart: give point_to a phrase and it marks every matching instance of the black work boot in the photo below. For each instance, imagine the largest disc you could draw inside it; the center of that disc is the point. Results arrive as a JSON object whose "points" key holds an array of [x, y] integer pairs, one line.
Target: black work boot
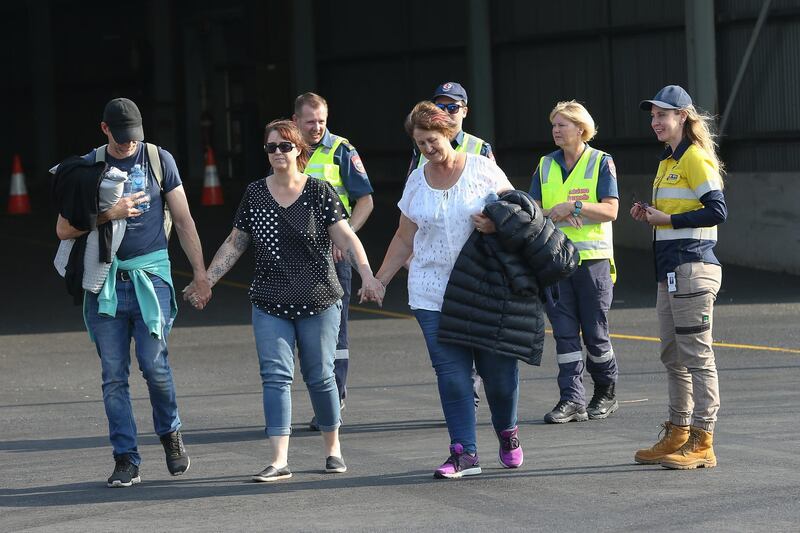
{"points": [[604, 401], [566, 411]]}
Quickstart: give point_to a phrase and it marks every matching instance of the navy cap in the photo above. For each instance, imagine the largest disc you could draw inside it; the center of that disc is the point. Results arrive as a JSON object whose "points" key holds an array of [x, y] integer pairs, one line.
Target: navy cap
{"points": [[124, 120], [452, 89], [670, 97]]}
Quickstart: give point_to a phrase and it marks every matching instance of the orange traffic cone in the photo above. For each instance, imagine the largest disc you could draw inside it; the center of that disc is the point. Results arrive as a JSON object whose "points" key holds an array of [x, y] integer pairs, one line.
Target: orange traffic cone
{"points": [[212, 191], [18, 201]]}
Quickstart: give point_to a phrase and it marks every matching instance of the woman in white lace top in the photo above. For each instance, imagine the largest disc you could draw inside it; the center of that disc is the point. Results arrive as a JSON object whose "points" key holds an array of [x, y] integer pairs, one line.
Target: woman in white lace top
{"points": [[440, 207]]}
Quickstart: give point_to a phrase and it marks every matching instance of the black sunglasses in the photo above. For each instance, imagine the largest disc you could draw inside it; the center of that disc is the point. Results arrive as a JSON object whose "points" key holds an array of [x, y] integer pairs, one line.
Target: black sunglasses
{"points": [[450, 108], [284, 147]]}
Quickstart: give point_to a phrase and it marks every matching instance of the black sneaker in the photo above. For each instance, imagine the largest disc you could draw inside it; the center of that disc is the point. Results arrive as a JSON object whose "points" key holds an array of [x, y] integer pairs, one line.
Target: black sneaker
{"points": [[271, 473], [177, 459], [604, 402], [566, 411], [125, 473], [335, 465]]}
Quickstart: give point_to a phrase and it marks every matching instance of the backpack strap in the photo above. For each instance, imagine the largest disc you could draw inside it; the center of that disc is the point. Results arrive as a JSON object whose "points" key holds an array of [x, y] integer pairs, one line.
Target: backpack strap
{"points": [[158, 172]]}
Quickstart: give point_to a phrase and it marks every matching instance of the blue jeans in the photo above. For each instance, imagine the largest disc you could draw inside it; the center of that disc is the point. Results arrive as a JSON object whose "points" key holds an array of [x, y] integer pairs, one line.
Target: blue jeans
{"points": [[113, 341], [315, 337], [453, 366]]}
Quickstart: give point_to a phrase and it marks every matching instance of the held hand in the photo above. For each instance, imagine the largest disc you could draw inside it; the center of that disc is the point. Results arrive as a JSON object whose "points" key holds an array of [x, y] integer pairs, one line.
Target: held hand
{"points": [[202, 290], [198, 293], [337, 254], [483, 223], [657, 218], [372, 290]]}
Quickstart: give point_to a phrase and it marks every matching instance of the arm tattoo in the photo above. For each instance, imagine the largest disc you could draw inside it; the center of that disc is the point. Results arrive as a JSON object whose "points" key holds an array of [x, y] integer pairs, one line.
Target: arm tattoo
{"points": [[227, 255], [241, 241]]}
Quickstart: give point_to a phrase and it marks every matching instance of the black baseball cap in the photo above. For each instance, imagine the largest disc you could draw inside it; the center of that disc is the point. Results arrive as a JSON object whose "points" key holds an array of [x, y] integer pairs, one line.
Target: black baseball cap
{"points": [[124, 120], [670, 97], [451, 89]]}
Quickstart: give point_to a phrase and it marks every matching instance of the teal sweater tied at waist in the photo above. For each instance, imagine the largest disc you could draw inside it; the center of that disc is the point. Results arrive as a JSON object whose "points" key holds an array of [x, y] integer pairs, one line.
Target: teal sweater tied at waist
{"points": [[156, 263]]}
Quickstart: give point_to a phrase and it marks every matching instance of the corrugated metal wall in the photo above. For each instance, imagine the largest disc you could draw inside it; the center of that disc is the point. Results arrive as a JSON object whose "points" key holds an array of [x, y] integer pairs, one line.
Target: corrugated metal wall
{"points": [[763, 133], [609, 54]]}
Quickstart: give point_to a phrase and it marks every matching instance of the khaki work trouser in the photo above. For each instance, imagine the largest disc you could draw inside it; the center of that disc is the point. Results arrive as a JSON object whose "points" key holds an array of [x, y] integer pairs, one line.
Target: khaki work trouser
{"points": [[685, 318]]}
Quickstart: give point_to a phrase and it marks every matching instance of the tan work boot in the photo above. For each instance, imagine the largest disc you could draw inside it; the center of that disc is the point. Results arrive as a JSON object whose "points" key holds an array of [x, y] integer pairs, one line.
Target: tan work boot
{"points": [[698, 452], [674, 437]]}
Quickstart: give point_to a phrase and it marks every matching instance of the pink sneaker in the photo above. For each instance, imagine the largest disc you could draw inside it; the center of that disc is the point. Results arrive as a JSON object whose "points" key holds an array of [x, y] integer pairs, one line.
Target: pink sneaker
{"points": [[510, 454], [458, 464]]}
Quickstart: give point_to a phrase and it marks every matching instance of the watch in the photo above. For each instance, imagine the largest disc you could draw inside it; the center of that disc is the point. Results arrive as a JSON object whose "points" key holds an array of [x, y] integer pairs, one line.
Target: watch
{"points": [[578, 207]]}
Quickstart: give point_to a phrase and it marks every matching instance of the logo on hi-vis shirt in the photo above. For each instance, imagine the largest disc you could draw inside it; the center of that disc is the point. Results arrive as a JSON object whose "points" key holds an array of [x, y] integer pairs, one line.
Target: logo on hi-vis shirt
{"points": [[612, 168], [577, 194], [672, 178], [359, 166]]}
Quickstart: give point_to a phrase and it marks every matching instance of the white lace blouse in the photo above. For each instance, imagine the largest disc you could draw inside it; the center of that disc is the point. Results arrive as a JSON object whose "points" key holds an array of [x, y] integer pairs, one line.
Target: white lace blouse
{"points": [[444, 225]]}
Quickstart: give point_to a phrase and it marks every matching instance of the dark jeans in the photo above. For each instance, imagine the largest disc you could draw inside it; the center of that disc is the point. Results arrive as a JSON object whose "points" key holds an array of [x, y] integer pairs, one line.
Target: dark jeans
{"points": [[453, 365]]}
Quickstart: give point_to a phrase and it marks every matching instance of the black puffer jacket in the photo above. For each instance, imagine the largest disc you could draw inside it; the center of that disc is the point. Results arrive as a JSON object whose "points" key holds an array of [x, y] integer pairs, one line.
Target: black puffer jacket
{"points": [[494, 296]]}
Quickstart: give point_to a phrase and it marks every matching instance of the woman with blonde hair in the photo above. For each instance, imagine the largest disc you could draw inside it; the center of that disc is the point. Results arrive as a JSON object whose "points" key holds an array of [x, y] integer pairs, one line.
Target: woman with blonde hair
{"points": [[292, 221], [687, 205], [576, 186]]}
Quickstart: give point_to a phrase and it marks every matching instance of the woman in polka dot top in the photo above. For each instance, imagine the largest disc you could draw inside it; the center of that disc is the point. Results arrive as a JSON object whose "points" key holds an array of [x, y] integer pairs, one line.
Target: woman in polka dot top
{"points": [[291, 220]]}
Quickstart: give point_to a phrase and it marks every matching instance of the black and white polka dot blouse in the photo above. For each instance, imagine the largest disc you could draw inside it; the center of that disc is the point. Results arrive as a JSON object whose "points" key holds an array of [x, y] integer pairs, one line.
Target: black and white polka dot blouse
{"points": [[294, 273]]}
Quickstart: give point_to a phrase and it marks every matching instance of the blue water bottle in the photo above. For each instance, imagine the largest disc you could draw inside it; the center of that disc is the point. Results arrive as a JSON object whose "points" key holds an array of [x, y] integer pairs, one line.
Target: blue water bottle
{"points": [[139, 183]]}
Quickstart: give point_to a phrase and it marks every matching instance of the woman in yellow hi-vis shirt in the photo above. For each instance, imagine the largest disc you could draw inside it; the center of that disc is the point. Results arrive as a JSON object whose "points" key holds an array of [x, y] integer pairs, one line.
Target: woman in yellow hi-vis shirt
{"points": [[687, 206]]}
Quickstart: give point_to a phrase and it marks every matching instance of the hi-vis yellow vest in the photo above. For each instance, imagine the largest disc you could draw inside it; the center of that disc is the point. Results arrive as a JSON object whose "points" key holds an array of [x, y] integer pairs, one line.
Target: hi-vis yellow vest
{"points": [[322, 167], [469, 144], [595, 239]]}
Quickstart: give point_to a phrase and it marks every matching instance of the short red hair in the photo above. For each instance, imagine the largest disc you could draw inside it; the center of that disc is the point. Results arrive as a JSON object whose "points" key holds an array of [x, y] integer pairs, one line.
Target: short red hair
{"points": [[426, 116], [288, 130]]}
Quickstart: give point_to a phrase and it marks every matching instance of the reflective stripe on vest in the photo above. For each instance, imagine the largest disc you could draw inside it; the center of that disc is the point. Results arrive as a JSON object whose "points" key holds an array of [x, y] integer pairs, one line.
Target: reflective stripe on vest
{"points": [[322, 167], [594, 240], [469, 144], [669, 234]]}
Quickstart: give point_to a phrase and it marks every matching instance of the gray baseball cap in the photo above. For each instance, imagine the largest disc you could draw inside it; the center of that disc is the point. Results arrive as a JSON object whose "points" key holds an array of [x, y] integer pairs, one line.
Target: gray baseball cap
{"points": [[670, 97]]}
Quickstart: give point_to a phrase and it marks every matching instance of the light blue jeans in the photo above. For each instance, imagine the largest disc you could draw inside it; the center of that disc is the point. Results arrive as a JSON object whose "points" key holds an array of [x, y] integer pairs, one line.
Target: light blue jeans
{"points": [[113, 342], [315, 338], [453, 366]]}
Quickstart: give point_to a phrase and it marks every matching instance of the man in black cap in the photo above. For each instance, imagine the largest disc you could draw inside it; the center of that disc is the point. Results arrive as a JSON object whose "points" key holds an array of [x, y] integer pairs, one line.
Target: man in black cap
{"points": [[452, 98], [138, 300]]}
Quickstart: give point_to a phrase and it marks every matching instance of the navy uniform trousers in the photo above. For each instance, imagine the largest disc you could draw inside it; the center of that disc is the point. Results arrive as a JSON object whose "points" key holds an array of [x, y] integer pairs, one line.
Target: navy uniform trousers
{"points": [[340, 364], [581, 308]]}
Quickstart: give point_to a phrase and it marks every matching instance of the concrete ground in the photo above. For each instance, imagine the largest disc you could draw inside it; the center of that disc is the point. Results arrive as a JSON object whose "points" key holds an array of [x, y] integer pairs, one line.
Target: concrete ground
{"points": [[55, 455]]}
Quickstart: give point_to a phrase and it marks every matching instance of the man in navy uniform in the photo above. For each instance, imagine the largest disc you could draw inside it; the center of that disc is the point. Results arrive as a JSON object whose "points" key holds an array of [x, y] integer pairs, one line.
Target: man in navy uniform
{"points": [[452, 98], [336, 161]]}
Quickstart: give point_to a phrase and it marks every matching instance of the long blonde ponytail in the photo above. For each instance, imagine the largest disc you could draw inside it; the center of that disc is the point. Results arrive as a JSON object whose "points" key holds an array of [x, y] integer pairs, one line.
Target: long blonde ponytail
{"points": [[700, 129]]}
